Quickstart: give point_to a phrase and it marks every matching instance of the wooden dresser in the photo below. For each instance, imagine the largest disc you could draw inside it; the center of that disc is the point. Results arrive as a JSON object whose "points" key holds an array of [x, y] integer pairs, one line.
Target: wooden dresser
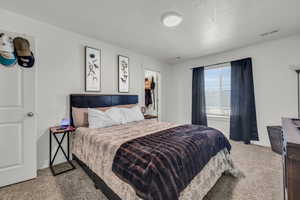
{"points": [[291, 158]]}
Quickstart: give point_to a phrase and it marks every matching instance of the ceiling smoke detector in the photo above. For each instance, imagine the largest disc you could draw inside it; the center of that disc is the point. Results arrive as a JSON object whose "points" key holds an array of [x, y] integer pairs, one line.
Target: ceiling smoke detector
{"points": [[269, 33], [171, 19]]}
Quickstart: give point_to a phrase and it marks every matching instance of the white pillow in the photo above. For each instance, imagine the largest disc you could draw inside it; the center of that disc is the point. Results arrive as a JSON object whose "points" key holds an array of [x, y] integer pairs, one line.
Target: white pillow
{"points": [[132, 114], [116, 115], [99, 119]]}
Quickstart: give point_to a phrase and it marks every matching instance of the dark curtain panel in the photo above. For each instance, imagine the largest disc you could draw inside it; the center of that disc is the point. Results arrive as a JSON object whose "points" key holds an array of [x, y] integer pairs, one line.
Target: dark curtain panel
{"points": [[243, 126], [198, 99]]}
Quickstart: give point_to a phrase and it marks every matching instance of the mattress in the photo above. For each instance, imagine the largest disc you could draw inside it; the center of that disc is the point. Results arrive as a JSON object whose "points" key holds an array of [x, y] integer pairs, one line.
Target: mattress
{"points": [[97, 149]]}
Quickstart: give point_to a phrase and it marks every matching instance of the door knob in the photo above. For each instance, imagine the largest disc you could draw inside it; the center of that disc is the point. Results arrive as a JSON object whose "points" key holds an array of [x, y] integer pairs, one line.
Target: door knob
{"points": [[30, 114]]}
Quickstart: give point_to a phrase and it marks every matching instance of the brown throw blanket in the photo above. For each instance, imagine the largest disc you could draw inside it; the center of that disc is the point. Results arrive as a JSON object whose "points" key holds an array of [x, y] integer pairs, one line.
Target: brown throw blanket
{"points": [[160, 165]]}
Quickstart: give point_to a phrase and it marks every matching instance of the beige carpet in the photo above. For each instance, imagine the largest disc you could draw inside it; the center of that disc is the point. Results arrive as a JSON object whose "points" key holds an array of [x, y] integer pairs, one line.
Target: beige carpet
{"points": [[261, 167]]}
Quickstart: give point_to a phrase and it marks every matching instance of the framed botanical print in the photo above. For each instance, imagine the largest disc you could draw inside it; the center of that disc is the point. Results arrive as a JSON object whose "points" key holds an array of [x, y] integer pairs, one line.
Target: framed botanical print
{"points": [[123, 74], [92, 69]]}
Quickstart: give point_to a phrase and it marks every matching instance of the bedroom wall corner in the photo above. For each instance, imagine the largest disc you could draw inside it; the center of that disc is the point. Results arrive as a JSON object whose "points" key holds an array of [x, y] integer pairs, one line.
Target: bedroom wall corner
{"points": [[275, 84]]}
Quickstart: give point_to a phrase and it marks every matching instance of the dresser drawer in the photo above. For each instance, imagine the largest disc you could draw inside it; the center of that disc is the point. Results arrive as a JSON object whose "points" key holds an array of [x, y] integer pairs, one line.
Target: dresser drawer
{"points": [[293, 153]]}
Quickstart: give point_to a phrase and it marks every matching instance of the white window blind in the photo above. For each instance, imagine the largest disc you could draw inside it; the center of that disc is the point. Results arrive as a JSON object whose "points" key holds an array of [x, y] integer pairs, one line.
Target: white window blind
{"points": [[217, 90]]}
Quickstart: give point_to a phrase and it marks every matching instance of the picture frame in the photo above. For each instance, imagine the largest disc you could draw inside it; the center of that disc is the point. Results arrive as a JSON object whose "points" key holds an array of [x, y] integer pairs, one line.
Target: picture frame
{"points": [[92, 69], [123, 74]]}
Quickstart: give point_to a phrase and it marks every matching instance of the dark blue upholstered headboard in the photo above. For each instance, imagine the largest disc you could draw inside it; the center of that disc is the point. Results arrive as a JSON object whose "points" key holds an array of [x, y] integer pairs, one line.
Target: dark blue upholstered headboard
{"points": [[98, 100]]}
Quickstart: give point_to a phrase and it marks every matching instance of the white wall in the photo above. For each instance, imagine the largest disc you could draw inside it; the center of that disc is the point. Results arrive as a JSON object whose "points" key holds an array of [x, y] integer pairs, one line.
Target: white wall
{"points": [[275, 83], [60, 71]]}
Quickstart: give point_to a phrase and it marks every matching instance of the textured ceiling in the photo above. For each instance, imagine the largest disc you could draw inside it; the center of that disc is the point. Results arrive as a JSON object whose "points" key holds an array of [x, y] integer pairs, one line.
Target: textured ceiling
{"points": [[209, 26]]}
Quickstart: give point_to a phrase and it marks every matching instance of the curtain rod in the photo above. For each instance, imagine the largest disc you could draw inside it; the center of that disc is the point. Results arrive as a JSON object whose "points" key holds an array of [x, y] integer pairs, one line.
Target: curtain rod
{"points": [[221, 63]]}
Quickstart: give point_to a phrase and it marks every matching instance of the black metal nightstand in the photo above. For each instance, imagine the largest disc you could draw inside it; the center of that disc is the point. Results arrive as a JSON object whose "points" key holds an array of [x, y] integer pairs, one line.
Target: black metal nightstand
{"points": [[150, 117], [54, 131]]}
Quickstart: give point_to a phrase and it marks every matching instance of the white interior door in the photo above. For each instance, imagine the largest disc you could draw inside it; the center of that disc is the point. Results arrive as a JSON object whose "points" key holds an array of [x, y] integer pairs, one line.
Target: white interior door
{"points": [[17, 125]]}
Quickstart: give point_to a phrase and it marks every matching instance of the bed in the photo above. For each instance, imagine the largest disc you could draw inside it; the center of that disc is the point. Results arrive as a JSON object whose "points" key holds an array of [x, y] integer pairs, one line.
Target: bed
{"points": [[98, 151]]}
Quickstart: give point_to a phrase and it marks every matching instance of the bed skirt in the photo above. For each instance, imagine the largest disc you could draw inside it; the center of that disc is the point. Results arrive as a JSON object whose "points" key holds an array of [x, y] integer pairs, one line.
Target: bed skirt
{"points": [[99, 183]]}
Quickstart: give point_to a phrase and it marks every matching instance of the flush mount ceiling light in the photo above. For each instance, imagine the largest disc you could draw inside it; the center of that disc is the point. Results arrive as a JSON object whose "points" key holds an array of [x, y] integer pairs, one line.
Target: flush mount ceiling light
{"points": [[171, 19]]}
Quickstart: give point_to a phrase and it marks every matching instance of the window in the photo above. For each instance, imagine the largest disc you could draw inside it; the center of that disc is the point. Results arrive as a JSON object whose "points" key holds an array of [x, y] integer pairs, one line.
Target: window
{"points": [[217, 90]]}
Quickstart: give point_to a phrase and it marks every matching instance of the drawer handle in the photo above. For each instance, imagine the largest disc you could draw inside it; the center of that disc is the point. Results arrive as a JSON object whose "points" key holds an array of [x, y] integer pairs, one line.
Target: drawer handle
{"points": [[294, 157]]}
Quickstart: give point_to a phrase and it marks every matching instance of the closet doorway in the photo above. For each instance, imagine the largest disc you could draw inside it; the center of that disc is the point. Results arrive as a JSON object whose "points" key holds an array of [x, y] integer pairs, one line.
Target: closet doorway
{"points": [[152, 93]]}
